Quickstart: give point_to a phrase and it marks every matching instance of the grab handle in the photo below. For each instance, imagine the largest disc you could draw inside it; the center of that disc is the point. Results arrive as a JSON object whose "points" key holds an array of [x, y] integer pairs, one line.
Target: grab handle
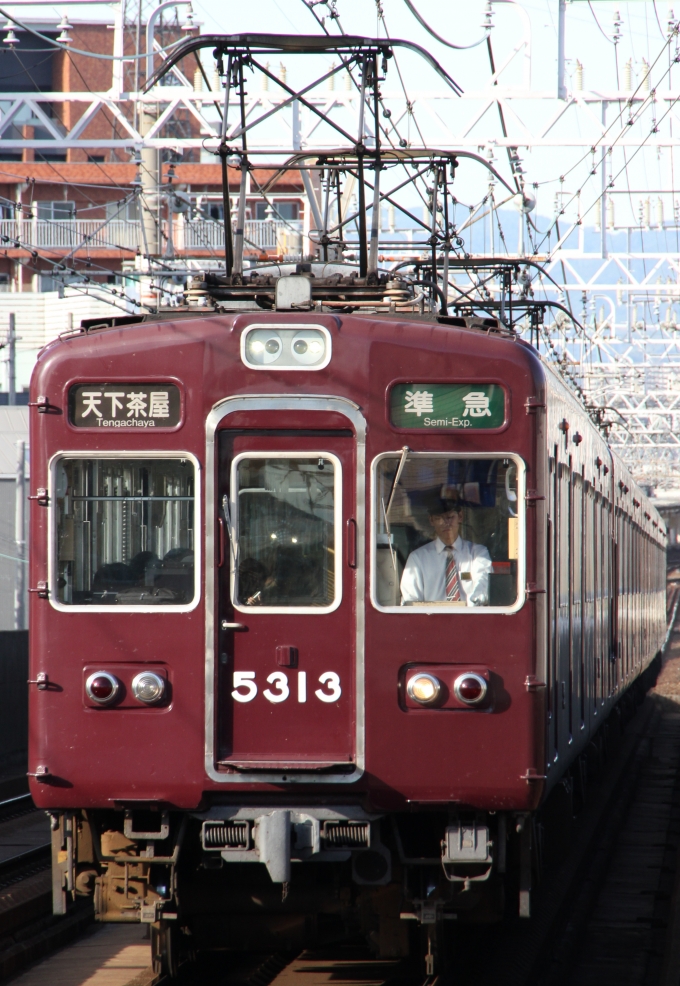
{"points": [[220, 542], [352, 543]]}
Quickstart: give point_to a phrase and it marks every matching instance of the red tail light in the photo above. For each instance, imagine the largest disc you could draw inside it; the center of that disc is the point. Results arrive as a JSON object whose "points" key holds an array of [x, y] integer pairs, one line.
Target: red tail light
{"points": [[102, 687], [470, 688]]}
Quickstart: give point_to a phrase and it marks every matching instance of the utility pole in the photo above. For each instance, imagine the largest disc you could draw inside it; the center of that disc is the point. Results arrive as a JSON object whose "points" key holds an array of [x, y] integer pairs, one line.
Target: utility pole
{"points": [[12, 359], [561, 35], [148, 205], [151, 179], [20, 539], [151, 167]]}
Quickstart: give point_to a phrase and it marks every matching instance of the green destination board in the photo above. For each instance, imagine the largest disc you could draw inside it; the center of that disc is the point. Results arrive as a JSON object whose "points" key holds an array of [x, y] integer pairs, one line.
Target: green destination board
{"points": [[446, 405]]}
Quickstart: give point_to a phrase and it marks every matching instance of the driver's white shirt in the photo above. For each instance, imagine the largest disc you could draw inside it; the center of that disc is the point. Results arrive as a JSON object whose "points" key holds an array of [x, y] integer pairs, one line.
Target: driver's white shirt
{"points": [[424, 578]]}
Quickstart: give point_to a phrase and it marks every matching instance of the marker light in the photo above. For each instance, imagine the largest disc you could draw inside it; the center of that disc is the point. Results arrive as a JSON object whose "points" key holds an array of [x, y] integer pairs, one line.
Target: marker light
{"points": [[102, 687], [470, 688], [148, 687], [423, 688]]}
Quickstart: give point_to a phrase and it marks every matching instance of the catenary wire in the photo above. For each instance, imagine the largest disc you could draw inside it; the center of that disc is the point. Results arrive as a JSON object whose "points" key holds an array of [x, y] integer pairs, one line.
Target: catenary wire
{"points": [[79, 51]]}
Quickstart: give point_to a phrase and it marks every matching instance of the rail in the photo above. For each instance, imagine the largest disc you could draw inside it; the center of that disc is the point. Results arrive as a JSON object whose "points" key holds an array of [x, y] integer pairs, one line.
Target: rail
{"points": [[36, 854], [16, 805]]}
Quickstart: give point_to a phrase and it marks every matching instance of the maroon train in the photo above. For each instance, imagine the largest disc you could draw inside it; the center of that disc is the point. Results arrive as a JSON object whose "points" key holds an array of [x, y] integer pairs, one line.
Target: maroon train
{"points": [[247, 733]]}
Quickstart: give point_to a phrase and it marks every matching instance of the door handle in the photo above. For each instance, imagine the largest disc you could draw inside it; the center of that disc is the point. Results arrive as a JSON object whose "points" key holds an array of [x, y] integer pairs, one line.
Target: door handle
{"points": [[352, 543], [220, 542]]}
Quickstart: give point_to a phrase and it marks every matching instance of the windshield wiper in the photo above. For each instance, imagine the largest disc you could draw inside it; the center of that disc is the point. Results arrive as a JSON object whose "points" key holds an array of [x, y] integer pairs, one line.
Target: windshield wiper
{"points": [[386, 509], [402, 462], [230, 529]]}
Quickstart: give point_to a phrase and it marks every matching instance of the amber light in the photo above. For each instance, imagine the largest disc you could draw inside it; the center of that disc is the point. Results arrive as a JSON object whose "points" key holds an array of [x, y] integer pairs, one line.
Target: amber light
{"points": [[423, 688], [470, 688], [101, 687]]}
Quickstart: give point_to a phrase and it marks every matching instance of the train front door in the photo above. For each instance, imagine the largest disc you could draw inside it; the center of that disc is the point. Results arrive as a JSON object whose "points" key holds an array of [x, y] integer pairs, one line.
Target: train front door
{"points": [[286, 601]]}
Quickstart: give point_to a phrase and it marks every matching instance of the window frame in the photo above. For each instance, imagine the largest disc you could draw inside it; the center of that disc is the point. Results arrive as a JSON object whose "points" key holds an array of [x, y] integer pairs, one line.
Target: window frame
{"points": [[40, 206], [338, 546], [52, 531], [439, 608]]}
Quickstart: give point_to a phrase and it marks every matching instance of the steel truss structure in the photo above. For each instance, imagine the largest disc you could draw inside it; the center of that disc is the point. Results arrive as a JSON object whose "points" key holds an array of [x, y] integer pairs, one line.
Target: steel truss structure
{"points": [[608, 243]]}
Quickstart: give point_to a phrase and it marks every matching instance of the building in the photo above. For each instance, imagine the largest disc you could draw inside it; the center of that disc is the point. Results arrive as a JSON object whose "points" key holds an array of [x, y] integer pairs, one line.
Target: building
{"points": [[13, 517], [81, 227]]}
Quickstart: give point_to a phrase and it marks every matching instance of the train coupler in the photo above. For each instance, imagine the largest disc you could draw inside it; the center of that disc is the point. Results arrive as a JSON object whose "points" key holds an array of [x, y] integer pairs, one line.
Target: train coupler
{"points": [[467, 844]]}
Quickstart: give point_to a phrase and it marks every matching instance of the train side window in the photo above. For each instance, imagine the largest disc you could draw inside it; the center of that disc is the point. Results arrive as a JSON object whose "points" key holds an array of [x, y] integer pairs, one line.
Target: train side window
{"points": [[448, 532], [123, 532], [286, 512]]}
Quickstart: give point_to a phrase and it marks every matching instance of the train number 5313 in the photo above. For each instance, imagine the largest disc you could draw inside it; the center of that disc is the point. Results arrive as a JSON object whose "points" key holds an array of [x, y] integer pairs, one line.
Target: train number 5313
{"points": [[245, 687]]}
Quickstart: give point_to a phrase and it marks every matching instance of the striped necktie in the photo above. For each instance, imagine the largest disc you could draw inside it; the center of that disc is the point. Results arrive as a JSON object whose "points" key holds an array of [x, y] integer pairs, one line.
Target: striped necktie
{"points": [[452, 581]]}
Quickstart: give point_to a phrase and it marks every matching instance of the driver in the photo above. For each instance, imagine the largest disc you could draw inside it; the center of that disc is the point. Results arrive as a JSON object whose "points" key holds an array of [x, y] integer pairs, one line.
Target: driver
{"points": [[448, 569]]}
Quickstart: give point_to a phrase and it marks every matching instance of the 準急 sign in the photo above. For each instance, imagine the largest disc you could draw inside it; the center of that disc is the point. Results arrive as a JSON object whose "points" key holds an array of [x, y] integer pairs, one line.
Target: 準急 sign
{"points": [[124, 405], [447, 405]]}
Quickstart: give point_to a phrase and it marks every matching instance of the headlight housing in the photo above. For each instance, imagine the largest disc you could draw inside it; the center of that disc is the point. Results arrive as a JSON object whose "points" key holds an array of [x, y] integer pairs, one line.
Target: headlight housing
{"points": [[286, 347]]}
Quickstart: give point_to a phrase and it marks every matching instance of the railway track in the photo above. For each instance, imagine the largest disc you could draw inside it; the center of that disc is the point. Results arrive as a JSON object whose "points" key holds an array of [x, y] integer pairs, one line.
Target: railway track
{"points": [[24, 840], [612, 911], [27, 928]]}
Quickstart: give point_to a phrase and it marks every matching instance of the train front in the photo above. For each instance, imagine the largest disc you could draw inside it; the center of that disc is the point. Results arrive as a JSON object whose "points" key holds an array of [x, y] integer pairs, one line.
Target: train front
{"points": [[284, 653]]}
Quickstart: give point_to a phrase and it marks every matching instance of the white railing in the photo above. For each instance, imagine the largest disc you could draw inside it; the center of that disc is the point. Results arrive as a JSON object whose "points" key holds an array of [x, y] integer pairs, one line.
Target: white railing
{"points": [[264, 234], [188, 235], [69, 234]]}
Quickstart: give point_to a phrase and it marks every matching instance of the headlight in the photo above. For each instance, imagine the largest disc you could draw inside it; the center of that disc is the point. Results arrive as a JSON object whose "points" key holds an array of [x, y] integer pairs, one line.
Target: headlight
{"points": [[148, 687], [470, 688], [424, 688], [308, 347], [284, 348], [263, 347], [102, 687]]}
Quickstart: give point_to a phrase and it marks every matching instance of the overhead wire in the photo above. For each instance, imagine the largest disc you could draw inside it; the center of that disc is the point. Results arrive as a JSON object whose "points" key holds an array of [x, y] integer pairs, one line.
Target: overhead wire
{"points": [[602, 30], [635, 115], [563, 175], [380, 126], [79, 51], [449, 44]]}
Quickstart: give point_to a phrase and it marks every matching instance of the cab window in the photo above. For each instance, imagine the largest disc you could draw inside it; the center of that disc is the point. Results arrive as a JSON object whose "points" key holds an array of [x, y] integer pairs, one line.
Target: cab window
{"points": [[446, 531], [125, 532], [286, 531]]}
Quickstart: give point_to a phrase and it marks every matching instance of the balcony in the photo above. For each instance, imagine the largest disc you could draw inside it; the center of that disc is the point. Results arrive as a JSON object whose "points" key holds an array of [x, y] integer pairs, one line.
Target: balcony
{"points": [[189, 236]]}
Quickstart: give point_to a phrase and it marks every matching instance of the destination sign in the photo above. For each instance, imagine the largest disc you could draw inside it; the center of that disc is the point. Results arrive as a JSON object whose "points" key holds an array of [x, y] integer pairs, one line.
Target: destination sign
{"points": [[441, 406], [125, 405]]}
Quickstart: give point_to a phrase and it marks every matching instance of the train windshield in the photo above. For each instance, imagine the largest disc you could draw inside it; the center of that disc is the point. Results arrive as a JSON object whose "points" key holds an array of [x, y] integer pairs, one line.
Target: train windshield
{"points": [[125, 532], [447, 531], [286, 514]]}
